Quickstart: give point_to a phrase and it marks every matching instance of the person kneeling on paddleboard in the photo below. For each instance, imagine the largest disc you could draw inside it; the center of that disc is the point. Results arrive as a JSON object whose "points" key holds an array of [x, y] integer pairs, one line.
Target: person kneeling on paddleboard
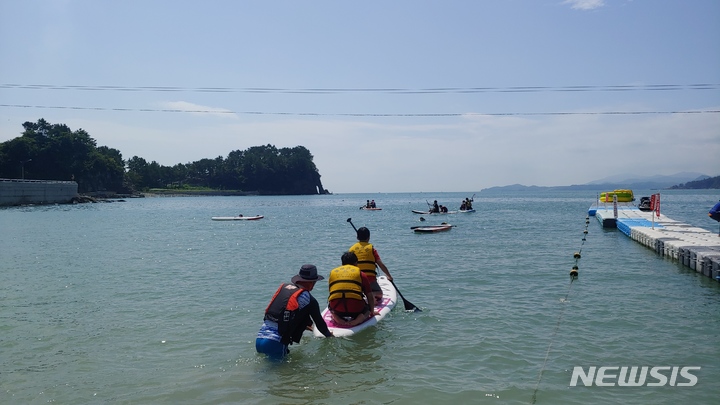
{"points": [[369, 260], [291, 311], [351, 300]]}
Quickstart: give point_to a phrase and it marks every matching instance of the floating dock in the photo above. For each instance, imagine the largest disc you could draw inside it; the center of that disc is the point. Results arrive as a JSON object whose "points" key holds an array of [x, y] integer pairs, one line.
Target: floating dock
{"points": [[696, 248]]}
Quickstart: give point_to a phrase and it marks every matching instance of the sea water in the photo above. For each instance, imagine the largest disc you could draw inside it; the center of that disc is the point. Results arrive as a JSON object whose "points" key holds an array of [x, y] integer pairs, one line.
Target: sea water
{"points": [[149, 301]]}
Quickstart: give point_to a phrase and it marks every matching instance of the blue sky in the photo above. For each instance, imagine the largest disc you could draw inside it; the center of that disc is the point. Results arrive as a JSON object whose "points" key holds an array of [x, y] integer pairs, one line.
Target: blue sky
{"points": [[388, 96]]}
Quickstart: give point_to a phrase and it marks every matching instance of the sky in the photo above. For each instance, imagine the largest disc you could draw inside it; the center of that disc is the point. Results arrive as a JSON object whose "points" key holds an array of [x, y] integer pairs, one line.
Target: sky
{"points": [[388, 96]]}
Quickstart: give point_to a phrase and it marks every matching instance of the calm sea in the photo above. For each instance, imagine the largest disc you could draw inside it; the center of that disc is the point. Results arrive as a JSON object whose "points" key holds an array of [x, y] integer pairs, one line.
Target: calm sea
{"points": [[148, 301]]}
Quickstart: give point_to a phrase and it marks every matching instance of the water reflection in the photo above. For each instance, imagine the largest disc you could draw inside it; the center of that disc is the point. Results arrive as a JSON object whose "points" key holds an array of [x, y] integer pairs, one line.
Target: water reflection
{"points": [[322, 368]]}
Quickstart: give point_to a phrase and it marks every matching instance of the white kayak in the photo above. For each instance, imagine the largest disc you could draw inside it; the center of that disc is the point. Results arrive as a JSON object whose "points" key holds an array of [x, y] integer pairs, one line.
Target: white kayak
{"points": [[388, 303], [252, 218]]}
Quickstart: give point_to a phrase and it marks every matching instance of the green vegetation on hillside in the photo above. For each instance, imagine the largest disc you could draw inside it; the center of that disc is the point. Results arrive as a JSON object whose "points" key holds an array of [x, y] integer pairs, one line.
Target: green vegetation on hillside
{"points": [[47, 151], [710, 182]]}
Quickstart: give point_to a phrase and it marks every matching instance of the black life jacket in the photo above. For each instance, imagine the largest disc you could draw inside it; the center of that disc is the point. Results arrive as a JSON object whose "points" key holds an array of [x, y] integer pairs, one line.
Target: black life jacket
{"points": [[285, 310]]}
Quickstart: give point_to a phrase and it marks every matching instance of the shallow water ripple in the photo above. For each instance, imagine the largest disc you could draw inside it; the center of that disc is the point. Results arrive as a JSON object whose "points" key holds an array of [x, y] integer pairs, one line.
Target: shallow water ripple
{"points": [[149, 301]]}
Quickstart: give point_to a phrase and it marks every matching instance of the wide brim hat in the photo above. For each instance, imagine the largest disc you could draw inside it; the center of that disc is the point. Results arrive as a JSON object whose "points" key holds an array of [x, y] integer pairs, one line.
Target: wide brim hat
{"points": [[308, 272]]}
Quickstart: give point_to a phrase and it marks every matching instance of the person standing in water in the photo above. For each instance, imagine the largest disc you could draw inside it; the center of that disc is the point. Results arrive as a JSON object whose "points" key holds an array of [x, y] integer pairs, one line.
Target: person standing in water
{"points": [[291, 311]]}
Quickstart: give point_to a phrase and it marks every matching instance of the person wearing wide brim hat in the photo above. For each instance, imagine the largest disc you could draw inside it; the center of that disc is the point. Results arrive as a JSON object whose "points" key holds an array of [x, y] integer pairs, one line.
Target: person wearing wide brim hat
{"points": [[307, 274], [291, 311]]}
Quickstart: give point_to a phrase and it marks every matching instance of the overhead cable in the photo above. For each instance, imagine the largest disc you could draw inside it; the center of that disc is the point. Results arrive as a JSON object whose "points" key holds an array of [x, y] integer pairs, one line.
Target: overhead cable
{"points": [[314, 114], [390, 90]]}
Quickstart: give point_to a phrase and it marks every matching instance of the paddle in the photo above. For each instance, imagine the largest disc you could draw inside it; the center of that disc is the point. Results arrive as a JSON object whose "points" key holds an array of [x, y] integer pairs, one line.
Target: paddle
{"points": [[431, 208], [408, 305]]}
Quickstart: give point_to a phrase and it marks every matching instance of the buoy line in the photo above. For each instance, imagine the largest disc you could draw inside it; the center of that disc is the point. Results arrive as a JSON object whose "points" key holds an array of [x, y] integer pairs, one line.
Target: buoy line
{"points": [[573, 276]]}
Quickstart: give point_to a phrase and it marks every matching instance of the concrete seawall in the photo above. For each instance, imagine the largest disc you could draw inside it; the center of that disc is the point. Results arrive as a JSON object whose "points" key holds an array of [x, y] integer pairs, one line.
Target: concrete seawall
{"points": [[20, 192]]}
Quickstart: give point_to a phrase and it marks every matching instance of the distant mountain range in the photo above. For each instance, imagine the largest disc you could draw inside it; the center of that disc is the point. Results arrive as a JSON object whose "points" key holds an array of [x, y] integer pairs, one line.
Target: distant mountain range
{"points": [[684, 180]]}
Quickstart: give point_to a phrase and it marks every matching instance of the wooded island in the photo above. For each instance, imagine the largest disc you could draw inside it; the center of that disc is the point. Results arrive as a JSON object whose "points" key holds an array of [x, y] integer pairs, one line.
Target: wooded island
{"points": [[47, 151]]}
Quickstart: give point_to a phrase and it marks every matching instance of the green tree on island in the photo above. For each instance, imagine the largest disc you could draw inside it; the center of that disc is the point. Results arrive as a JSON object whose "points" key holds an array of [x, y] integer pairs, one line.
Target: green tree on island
{"points": [[47, 151]]}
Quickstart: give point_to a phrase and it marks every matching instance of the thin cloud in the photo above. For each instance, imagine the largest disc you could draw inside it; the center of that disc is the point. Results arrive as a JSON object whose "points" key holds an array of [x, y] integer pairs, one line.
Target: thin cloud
{"points": [[585, 4], [196, 109]]}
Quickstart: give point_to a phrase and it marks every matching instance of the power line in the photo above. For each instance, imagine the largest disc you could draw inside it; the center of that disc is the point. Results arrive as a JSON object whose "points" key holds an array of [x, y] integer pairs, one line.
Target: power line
{"points": [[436, 90], [313, 114]]}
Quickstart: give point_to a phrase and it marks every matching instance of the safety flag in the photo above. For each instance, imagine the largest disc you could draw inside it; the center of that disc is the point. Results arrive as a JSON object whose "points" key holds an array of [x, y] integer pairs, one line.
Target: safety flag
{"points": [[655, 203]]}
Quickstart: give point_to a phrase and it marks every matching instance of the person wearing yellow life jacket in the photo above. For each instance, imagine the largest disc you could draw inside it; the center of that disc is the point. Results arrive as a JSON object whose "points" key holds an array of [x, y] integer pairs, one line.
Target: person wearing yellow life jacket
{"points": [[351, 300], [369, 260], [291, 311]]}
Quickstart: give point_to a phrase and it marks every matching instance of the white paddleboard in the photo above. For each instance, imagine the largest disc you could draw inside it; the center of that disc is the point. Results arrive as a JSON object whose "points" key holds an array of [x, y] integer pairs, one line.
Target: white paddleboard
{"points": [[252, 218], [388, 303]]}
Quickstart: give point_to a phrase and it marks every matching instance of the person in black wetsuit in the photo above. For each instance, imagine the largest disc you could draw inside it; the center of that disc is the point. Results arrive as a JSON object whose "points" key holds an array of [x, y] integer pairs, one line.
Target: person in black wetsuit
{"points": [[291, 312], [435, 207]]}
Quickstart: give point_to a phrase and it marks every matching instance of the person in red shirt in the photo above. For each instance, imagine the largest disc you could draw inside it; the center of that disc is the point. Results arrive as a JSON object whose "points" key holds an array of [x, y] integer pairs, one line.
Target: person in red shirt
{"points": [[351, 300], [369, 260]]}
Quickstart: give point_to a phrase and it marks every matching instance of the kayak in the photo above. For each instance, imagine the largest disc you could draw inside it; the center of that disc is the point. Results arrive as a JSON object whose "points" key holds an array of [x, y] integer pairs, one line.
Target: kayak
{"points": [[388, 303], [432, 228], [238, 218], [370, 209], [466, 211]]}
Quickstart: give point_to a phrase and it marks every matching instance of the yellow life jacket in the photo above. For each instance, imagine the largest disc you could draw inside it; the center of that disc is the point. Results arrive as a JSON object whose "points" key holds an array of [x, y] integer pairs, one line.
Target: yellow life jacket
{"points": [[345, 282], [366, 258]]}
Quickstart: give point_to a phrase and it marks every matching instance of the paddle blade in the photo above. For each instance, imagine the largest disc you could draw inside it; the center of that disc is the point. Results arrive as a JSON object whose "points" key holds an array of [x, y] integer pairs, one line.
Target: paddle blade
{"points": [[408, 305]]}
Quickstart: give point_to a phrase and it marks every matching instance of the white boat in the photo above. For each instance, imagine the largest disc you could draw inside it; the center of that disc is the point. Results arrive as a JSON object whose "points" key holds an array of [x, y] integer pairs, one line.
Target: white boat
{"points": [[383, 308], [238, 218]]}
